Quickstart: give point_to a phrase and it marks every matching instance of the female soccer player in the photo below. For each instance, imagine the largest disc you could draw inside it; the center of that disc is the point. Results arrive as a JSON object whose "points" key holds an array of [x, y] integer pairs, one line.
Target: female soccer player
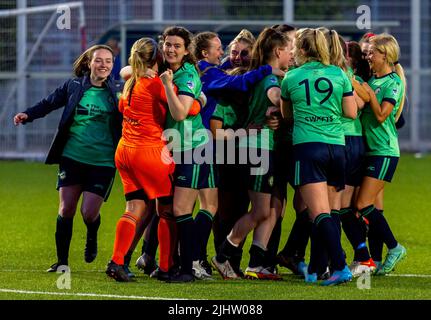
{"points": [[387, 92], [84, 145], [317, 94], [141, 157], [239, 51], [271, 48], [292, 255], [193, 177], [355, 228], [352, 128], [364, 42], [140, 153], [208, 51]]}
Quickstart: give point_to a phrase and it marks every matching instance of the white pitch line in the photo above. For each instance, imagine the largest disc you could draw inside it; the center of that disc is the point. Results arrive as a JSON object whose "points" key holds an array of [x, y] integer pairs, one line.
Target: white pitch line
{"points": [[410, 275], [87, 295]]}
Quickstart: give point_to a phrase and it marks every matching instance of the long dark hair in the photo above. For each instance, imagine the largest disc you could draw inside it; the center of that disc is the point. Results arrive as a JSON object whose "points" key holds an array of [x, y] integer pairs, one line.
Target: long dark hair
{"points": [[187, 36], [359, 64]]}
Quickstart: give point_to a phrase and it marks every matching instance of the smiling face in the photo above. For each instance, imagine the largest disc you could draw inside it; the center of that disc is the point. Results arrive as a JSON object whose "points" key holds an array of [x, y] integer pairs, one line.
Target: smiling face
{"points": [[240, 54], [376, 59], [174, 51], [101, 65], [214, 52], [365, 47]]}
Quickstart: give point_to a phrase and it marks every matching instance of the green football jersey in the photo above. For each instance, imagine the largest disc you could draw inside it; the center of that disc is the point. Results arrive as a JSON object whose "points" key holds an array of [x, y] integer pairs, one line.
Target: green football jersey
{"points": [[352, 127], [382, 138], [258, 107], [226, 114], [316, 92], [192, 131], [90, 135]]}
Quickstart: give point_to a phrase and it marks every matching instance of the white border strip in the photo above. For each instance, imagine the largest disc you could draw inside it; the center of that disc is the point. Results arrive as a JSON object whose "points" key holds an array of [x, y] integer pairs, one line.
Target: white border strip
{"points": [[96, 295]]}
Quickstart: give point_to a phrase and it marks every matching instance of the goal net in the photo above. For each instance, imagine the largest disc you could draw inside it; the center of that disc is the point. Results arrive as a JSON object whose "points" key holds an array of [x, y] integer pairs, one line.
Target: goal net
{"points": [[39, 45]]}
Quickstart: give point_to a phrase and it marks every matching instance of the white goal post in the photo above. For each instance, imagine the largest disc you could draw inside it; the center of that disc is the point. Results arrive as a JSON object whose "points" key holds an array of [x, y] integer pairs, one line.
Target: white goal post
{"points": [[15, 84]]}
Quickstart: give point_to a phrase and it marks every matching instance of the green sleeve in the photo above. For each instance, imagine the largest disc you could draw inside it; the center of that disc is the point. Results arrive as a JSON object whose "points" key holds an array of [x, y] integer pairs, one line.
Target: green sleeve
{"points": [[270, 81], [187, 84], [218, 113], [392, 92]]}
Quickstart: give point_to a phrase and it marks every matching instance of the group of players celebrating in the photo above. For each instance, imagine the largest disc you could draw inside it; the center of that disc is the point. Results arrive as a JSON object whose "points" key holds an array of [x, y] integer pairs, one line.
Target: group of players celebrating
{"points": [[320, 112]]}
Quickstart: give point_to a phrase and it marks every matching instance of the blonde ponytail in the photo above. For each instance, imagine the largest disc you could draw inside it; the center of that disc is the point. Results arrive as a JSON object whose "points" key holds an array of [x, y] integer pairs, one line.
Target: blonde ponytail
{"points": [[400, 72], [142, 56], [335, 48], [322, 47]]}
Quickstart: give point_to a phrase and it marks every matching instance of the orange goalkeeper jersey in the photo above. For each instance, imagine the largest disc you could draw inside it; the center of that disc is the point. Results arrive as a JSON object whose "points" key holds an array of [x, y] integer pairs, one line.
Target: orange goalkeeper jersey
{"points": [[144, 119]]}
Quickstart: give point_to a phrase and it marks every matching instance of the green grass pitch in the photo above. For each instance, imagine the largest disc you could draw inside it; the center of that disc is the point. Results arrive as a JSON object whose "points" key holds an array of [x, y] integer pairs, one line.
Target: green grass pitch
{"points": [[28, 210]]}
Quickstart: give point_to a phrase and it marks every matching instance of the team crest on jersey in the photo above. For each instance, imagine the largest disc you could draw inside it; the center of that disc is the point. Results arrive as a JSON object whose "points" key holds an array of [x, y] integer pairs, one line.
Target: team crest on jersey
{"points": [[273, 80], [377, 90], [395, 90], [190, 84]]}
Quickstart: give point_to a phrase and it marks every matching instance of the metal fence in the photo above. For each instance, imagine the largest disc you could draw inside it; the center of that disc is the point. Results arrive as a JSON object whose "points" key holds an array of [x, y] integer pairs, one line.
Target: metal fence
{"points": [[26, 76]]}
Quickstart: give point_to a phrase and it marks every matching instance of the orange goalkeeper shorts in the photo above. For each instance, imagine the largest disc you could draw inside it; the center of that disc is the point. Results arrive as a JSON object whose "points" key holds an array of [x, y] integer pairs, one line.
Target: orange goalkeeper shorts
{"points": [[143, 169]]}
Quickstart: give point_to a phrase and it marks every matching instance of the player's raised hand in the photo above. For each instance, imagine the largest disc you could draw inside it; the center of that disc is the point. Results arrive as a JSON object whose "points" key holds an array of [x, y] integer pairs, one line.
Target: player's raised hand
{"points": [[126, 73], [367, 87], [20, 118], [167, 77]]}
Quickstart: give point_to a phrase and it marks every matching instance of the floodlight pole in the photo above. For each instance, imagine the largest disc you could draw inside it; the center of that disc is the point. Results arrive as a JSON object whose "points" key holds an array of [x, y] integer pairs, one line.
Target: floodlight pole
{"points": [[21, 93], [415, 81]]}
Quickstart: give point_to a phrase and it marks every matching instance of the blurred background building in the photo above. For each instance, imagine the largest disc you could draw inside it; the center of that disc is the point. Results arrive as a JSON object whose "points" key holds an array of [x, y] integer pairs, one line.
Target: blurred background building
{"points": [[36, 56]]}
